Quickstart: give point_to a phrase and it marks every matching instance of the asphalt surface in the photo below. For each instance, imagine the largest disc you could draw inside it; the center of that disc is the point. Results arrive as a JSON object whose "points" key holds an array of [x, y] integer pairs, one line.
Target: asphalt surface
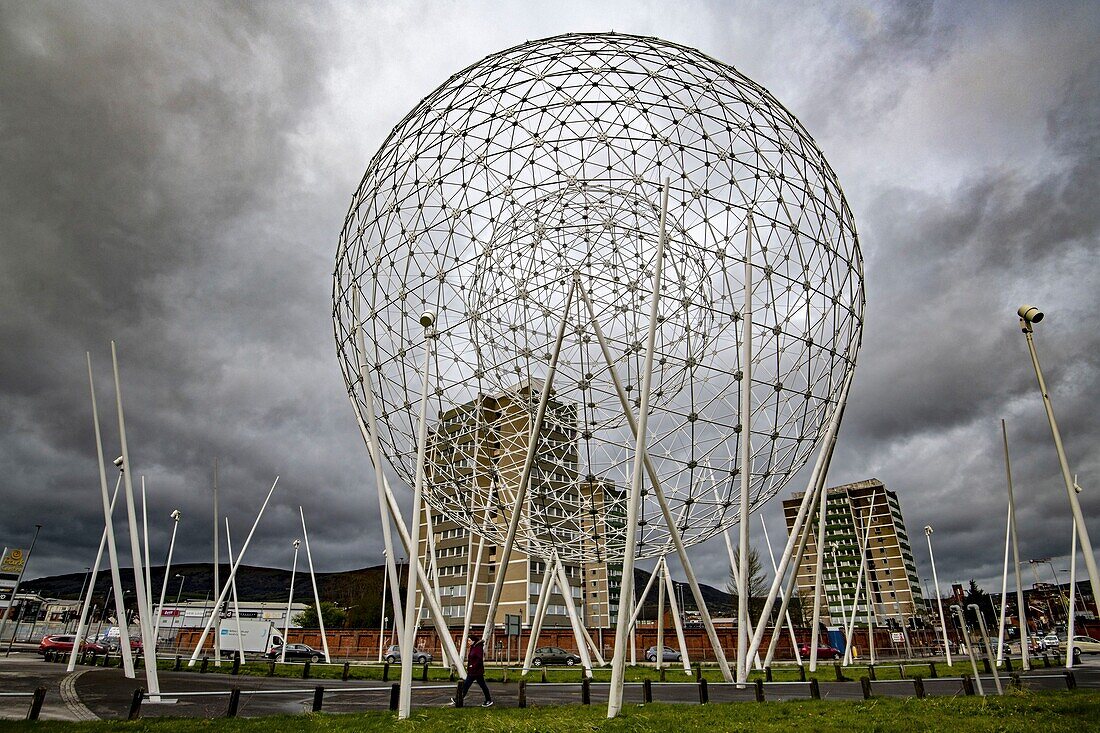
{"points": [[90, 693]]}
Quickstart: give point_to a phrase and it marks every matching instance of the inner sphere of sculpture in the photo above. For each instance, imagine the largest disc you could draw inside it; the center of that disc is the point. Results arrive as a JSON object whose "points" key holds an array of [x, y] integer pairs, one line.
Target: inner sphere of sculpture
{"points": [[540, 167]]}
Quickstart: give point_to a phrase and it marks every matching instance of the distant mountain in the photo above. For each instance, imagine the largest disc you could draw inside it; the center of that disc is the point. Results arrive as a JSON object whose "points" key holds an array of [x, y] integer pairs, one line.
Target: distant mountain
{"points": [[718, 602]]}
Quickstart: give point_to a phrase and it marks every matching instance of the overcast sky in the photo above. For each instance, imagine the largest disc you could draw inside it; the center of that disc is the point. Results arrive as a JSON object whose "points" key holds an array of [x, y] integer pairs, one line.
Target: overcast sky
{"points": [[174, 176]]}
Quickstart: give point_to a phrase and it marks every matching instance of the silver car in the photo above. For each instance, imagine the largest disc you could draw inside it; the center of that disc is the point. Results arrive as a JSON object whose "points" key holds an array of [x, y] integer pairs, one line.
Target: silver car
{"points": [[393, 654], [670, 655]]}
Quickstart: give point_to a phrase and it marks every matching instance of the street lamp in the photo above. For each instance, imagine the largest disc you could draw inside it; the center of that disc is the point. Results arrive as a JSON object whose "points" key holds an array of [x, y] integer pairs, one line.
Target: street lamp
{"points": [[175, 515], [939, 601], [289, 601], [1029, 316]]}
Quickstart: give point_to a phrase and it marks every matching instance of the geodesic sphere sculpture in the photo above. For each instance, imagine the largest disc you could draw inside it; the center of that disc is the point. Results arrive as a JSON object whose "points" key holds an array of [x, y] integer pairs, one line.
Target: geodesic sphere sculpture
{"points": [[522, 199]]}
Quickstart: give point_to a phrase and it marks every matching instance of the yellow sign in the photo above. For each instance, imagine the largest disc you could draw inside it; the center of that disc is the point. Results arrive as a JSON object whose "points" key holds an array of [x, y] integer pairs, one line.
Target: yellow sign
{"points": [[13, 561]]}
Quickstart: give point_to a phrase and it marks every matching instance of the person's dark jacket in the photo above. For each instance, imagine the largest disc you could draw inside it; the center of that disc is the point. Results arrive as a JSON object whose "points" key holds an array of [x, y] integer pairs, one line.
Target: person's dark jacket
{"points": [[475, 662]]}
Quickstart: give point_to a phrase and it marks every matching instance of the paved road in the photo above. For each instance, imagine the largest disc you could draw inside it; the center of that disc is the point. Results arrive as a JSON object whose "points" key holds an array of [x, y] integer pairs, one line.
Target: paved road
{"points": [[106, 693]]}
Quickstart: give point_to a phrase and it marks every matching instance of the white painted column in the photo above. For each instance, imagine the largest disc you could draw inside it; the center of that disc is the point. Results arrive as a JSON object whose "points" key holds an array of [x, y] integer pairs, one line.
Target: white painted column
{"points": [[316, 595]]}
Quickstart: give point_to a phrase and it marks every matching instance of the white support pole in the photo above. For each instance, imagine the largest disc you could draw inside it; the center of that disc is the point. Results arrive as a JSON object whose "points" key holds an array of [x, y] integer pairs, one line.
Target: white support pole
{"points": [[548, 581], [167, 571], [289, 602], [939, 600], [82, 625], [370, 437], [840, 595], [217, 568], [637, 609], [232, 575], [1021, 606], [817, 479], [634, 608], [475, 573], [571, 609], [1063, 462], [745, 466], [819, 574], [316, 595], [239, 652], [112, 550], [148, 643], [865, 527], [736, 572], [786, 615], [673, 528], [969, 648], [145, 539], [662, 571], [1072, 598], [1004, 593], [408, 637], [385, 583], [505, 553], [676, 622], [985, 640], [433, 572]]}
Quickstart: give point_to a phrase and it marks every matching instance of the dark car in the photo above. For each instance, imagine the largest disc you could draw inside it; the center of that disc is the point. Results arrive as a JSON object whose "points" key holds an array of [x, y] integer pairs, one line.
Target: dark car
{"points": [[824, 651], [65, 643], [669, 655], [296, 651], [554, 655]]}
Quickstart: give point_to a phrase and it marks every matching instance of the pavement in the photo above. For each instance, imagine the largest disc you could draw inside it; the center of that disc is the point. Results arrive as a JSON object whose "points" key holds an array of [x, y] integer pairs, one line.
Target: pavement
{"points": [[90, 693]]}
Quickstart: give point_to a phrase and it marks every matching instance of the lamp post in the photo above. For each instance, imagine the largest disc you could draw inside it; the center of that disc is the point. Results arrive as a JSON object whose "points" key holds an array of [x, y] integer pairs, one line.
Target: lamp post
{"points": [[83, 586], [939, 601], [1029, 316], [175, 515], [289, 602]]}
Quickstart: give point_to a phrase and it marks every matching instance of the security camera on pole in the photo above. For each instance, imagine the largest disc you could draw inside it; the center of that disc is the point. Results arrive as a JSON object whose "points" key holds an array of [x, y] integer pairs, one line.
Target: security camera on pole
{"points": [[1029, 316]]}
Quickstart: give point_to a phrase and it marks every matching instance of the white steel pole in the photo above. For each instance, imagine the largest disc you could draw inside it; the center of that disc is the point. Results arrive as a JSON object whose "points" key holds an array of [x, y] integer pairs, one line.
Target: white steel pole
{"points": [[1021, 606], [175, 515], [969, 647], [662, 571], [674, 609], [1072, 598], [433, 573], [239, 652], [385, 579], [1004, 593], [217, 569], [232, 575], [289, 601], [985, 640], [746, 466], [82, 625], [735, 571], [313, 579], [819, 572], [618, 664], [840, 595], [817, 479], [475, 574], [939, 598], [786, 615], [637, 609], [145, 539], [1078, 517], [370, 437], [408, 638], [571, 609], [866, 529], [548, 581], [505, 553]]}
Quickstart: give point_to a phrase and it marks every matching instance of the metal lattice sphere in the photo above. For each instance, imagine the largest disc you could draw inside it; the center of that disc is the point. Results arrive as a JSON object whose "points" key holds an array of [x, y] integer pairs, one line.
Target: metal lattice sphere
{"points": [[543, 165]]}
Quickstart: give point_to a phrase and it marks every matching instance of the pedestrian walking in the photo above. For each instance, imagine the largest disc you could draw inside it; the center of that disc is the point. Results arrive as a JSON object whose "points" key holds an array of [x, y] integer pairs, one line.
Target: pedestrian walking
{"points": [[475, 672]]}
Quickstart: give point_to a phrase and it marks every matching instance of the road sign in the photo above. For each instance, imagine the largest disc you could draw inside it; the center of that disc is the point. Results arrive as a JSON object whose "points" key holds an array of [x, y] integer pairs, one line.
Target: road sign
{"points": [[511, 624]]}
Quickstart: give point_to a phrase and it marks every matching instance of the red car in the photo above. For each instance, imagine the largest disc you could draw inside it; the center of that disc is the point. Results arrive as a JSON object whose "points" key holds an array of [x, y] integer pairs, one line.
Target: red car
{"points": [[824, 651], [65, 642]]}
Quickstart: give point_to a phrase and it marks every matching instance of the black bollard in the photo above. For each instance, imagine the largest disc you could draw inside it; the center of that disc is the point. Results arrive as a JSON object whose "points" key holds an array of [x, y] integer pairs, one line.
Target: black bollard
{"points": [[236, 664], [318, 698], [205, 665], [347, 672], [1016, 684], [802, 673], [704, 695], [234, 702], [305, 670], [94, 655], [647, 691], [968, 685], [106, 659], [135, 704], [1008, 663], [424, 673], [871, 672], [395, 695], [987, 666], [918, 686], [458, 695], [768, 673], [543, 670], [839, 675], [586, 691], [865, 685], [815, 689], [179, 663], [1046, 661], [661, 676], [759, 690], [523, 693], [386, 672], [699, 672], [36, 703], [271, 669], [932, 670], [1071, 681]]}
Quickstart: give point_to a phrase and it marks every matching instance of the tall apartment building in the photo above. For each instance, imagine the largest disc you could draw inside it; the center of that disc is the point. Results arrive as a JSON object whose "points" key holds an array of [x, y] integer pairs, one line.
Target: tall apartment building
{"points": [[891, 571], [486, 441]]}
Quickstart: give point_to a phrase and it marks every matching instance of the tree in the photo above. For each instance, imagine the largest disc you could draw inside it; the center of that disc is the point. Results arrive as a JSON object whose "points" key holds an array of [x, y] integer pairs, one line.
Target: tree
{"points": [[330, 612], [757, 585], [975, 595]]}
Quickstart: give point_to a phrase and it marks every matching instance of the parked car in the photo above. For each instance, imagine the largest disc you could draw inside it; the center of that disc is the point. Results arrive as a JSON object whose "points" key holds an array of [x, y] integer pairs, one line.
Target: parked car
{"points": [[65, 643], [669, 655], [110, 643], [1085, 645], [296, 651], [393, 654], [1051, 641], [554, 655], [824, 651]]}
